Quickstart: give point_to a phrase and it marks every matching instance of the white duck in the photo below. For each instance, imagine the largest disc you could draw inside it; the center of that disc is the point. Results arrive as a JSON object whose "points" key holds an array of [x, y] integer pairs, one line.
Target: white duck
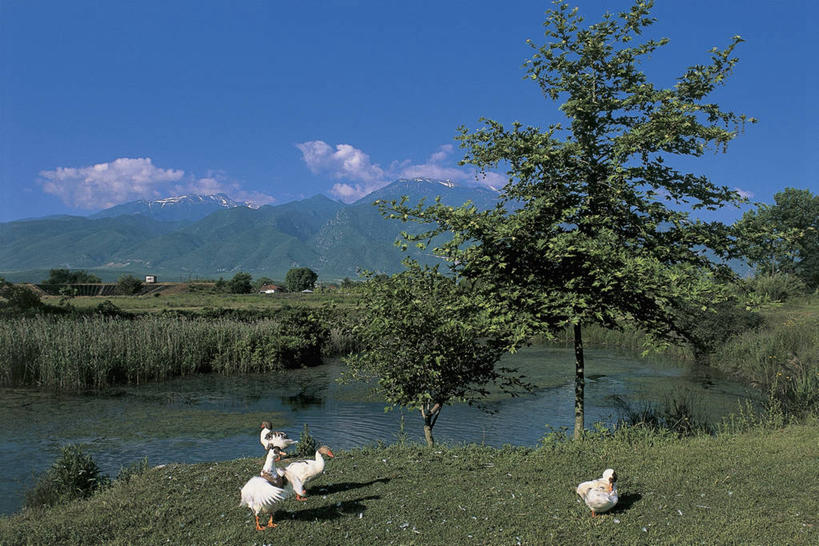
{"points": [[270, 438], [601, 494], [261, 493], [301, 471]]}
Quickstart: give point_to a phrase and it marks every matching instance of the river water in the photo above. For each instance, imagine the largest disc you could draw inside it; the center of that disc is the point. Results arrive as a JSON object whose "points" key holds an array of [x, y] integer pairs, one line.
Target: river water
{"points": [[211, 418]]}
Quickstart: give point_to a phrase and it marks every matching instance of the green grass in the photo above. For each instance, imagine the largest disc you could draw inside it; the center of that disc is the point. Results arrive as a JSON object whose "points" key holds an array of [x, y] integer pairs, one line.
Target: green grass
{"points": [[757, 487], [177, 299]]}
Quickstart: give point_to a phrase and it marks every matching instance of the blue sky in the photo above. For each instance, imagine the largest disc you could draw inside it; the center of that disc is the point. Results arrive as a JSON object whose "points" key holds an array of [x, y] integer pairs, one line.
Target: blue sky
{"points": [[107, 102]]}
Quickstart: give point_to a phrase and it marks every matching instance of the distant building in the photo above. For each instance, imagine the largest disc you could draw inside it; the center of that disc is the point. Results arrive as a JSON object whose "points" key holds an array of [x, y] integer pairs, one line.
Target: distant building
{"points": [[269, 289], [150, 279]]}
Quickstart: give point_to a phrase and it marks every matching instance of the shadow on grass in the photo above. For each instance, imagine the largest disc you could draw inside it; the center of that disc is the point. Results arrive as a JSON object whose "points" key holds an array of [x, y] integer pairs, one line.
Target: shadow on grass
{"points": [[343, 486], [625, 502], [336, 510]]}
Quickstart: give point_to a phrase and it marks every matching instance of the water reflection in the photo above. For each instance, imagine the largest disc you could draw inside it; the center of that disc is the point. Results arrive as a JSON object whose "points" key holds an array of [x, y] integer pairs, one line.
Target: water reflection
{"points": [[210, 417]]}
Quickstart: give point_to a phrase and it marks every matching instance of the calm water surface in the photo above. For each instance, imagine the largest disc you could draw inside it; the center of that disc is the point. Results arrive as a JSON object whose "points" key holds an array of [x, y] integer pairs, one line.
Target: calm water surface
{"points": [[210, 418]]}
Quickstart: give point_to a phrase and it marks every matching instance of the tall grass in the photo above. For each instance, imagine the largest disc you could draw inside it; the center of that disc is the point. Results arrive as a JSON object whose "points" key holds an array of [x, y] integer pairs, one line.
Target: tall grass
{"points": [[782, 357], [81, 353]]}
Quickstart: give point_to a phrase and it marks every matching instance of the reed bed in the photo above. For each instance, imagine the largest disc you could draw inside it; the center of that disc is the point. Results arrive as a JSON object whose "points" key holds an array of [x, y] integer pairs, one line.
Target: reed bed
{"points": [[91, 352]]}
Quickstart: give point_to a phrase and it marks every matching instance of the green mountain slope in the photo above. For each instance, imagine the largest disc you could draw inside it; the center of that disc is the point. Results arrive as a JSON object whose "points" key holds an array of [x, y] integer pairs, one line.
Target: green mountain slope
{"points": [[333, 239]]}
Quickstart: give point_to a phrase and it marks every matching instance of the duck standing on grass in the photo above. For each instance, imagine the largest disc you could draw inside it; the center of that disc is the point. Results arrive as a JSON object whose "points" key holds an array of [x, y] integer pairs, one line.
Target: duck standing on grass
{"points": [[270, 438], [261, 493], [601, 494], [301, 471]]}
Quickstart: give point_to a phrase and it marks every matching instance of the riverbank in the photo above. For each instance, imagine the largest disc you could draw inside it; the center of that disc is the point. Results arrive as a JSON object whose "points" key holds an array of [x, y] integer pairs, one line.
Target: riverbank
{"points": [[751, 487]]}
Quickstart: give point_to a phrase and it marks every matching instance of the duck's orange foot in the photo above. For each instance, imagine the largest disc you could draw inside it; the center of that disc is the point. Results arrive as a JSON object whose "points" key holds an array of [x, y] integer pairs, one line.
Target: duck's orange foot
{"points": [[270, 524], [300, 498], [259, 527]]}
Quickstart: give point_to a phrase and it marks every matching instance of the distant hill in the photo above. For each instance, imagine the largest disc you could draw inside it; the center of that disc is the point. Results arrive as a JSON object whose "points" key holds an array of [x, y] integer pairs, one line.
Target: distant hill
{"points": [[212, 236]]}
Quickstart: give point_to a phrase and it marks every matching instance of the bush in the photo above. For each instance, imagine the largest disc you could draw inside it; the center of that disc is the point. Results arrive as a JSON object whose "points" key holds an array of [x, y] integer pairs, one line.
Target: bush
{"points": [[18, 299], [706, 330], [776, 287], [73, 475], [128, 285], [307, 444]]}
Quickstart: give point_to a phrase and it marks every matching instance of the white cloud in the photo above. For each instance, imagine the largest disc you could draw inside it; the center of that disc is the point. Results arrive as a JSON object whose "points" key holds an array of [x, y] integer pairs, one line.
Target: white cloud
{"points": [[128, 179], [744, 194], [362, 176]]}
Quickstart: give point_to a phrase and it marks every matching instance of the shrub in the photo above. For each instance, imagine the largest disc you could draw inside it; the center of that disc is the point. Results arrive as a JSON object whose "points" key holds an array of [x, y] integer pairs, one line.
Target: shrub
{"points": [[776, 287], [73, 475], [128, 285], [708, 329], [307, 444]]}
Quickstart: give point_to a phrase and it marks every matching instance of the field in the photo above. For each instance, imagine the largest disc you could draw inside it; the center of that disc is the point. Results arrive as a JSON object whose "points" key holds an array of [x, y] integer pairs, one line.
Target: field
{"points": [[752, 487], [186, 297]]}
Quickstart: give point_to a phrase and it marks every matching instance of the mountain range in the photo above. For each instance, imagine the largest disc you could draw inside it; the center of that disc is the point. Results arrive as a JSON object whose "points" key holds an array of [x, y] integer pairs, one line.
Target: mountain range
{"points": [[195, 236]]}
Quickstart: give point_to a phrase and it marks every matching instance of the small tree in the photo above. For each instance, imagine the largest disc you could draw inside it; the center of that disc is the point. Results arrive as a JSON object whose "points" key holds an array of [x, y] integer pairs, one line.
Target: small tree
{"points": [[241, 283], [594, 223], [300, 278], [128, 285], [426, 344]]}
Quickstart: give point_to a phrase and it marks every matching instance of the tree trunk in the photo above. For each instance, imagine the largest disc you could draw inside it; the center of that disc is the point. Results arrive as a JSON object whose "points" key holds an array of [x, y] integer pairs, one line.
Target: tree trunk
{"points": [[430, 415], [428, 435], [579, 382]]}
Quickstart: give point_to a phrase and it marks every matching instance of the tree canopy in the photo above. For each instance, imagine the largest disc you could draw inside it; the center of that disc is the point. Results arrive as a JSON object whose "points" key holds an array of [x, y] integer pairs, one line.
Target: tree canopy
{"points": [[300, 278], [784, 237], [426, 343], [594, 224], [66, 276], [241, 283]]}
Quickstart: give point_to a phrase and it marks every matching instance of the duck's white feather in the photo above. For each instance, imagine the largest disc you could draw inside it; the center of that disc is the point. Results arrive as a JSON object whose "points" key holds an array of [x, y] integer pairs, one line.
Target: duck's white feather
{"points": [[298, 473], [601, 494]]}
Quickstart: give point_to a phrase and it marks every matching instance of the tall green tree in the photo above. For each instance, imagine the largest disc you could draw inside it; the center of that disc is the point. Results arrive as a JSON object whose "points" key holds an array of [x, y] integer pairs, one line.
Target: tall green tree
{"points": [[592, 225], [241, 283], [300, 278], [426, 343], [784, 237]]}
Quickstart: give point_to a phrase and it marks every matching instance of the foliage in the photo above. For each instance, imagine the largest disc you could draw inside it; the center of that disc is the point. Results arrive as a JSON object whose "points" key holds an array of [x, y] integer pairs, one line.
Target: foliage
{"points": [[66, 276], [300, 278], [677, 415], [784, 237], [128, 285], [594, 224], [749, 488], [781, 357], [241, 283], [137, 468], [774, 287], [307, 444], [426, 344], [17, 298], [707, 329], [261, 281], [73, 475]]}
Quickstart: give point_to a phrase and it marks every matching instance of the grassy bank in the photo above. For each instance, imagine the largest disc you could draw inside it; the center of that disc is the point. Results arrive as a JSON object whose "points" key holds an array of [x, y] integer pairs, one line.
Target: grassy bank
{"points": [[180, 299], [755, 487], [76, 353]]}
